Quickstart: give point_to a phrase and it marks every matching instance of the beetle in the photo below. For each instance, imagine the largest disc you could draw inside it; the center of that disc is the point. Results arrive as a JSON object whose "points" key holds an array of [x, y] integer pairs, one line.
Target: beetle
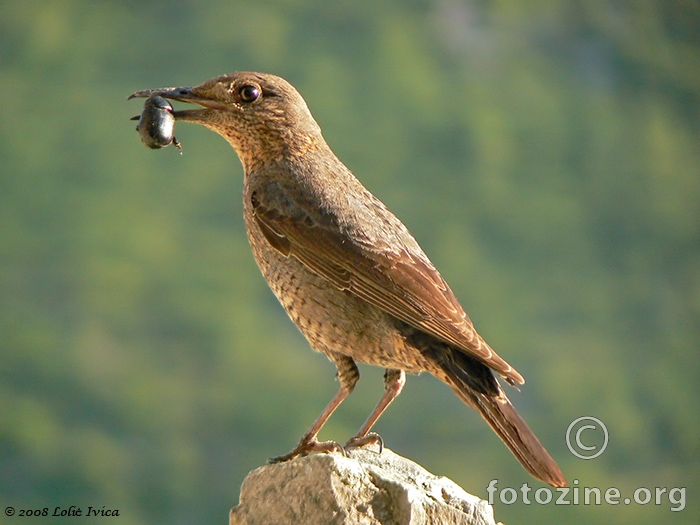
{"points": [[157, 124]]}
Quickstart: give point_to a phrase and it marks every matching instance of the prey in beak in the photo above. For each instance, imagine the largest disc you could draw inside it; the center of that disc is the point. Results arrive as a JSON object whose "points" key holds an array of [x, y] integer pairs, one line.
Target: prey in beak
{"points": [[157, 124], [183, 94], [157, 121]]}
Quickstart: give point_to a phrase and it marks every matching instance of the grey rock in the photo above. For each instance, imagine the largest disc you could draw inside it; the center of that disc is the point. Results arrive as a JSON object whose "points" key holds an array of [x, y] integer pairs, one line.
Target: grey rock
{"points": [[365, 488]]}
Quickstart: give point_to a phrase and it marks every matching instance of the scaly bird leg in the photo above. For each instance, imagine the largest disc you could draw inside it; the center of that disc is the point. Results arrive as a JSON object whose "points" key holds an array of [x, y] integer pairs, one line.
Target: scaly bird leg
{"points": [[394, 380], [348, 375]]}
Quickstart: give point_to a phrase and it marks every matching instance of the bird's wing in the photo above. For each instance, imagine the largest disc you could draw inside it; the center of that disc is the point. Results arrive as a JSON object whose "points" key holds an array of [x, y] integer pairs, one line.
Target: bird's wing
{"points": [[399, 282]]}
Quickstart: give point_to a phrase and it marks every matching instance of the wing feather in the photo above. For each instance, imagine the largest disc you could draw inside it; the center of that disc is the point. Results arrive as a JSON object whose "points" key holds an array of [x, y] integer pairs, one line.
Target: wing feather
{"points": [[402, 284]]}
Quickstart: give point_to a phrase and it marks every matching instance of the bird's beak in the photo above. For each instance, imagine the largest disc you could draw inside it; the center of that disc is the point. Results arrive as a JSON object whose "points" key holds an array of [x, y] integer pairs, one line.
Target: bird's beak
{"points": [[193, 95]]}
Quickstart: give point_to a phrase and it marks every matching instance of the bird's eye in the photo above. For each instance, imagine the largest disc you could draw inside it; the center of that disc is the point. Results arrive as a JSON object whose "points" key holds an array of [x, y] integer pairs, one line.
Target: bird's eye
{"points": [[249, 93]]}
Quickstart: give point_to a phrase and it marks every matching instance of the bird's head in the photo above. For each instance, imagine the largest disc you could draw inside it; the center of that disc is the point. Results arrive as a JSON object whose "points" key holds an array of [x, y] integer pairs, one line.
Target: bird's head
{"points": [[262, 116]]}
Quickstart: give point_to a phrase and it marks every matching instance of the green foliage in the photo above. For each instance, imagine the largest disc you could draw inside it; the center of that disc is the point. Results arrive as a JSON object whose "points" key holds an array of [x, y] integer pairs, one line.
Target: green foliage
{"points": [[545, 154]]}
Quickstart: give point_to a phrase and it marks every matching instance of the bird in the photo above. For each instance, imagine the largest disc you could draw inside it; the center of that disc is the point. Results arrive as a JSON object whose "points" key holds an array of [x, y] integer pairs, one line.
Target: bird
{"points": [[345, 269]]}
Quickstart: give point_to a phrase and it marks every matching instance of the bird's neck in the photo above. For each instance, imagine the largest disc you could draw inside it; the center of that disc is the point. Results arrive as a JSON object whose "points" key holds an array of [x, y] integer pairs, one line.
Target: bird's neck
{"points": [[268, 153]]}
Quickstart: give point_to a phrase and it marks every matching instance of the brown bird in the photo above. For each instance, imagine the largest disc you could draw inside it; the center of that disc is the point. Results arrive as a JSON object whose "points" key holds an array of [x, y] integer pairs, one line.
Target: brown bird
{"points": [[347, 271]]}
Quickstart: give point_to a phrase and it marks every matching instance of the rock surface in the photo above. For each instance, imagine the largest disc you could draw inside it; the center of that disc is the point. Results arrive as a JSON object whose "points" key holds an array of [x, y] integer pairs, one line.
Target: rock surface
{"points": [[364, 488]]}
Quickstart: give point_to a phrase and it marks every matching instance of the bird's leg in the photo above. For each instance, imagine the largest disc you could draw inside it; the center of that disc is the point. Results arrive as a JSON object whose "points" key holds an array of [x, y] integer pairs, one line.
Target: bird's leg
{"points": [[394, 380], [347, 375]]}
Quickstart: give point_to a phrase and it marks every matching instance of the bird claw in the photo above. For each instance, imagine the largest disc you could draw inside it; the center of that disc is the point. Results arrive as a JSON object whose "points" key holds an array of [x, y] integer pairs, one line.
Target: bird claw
{"points": [[307, 445], [368, 439]]}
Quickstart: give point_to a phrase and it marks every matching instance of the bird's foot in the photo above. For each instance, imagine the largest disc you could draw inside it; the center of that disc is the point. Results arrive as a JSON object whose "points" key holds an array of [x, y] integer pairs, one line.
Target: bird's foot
{"points": [[368, 439], [309, 444]]}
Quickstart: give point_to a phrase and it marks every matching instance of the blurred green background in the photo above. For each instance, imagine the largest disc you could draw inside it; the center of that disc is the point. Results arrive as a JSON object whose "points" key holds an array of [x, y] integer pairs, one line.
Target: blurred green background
{"points": [[545, 154]]}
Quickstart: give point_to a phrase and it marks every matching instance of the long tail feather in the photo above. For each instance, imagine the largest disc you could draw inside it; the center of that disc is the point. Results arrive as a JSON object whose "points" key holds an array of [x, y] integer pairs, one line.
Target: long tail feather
{"points": [[512, 429], [475, 384]]}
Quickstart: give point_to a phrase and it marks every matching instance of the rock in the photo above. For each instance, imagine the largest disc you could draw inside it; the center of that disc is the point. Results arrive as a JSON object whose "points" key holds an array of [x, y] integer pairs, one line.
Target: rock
{"points": [[365, 488]]}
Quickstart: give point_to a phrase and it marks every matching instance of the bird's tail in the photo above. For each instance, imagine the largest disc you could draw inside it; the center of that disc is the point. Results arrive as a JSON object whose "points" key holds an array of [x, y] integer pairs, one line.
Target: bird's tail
{"points": [[475, 384]]}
